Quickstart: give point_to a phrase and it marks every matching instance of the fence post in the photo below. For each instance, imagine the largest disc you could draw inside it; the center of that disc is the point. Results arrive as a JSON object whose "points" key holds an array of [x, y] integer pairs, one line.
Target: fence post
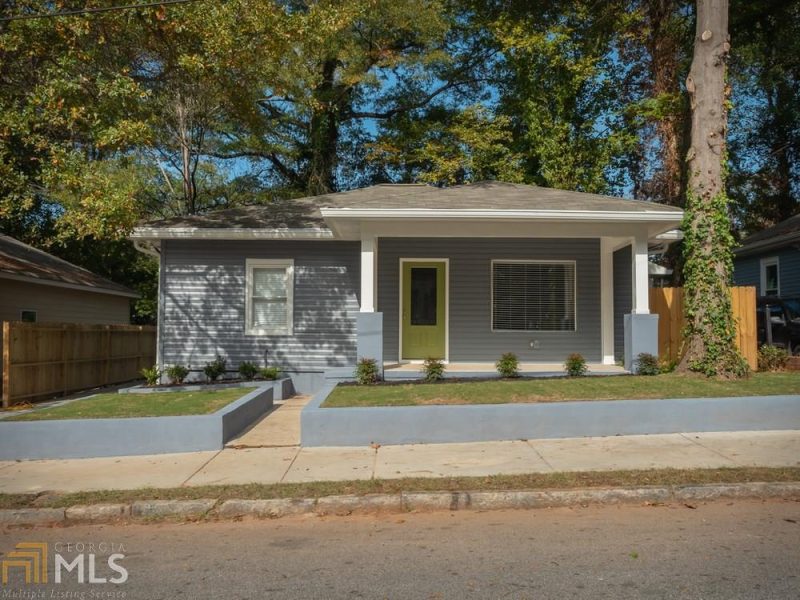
{"points": [[63, 355], [140, 335], [107, 356], [6, 363]]}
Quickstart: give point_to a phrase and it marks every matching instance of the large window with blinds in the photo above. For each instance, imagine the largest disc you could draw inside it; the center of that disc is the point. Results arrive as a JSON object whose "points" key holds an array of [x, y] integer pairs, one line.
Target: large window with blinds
{"points": [[533, 295], [270, 290]]}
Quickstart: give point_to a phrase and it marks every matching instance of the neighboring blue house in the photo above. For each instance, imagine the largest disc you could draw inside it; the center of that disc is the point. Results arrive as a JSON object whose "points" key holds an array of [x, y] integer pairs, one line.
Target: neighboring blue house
{"points": [[399, 273], [770, 260]]}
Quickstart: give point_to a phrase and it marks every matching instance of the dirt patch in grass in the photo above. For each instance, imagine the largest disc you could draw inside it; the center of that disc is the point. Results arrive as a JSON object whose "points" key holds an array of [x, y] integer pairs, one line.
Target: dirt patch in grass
{"points": [[156, 404], [534, 481], [533, 390]]}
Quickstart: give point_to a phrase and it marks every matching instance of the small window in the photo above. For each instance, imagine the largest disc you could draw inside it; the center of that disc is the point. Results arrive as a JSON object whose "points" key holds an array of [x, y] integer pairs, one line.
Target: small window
{"points": [[423, 295], [770, 277], [270, 291], [533, 296], [27, 316]]}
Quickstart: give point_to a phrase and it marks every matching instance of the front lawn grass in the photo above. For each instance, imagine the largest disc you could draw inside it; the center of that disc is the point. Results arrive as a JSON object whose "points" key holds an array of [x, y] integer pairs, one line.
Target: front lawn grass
{"points": [[163, 404], [318, 489], [617, 387]]}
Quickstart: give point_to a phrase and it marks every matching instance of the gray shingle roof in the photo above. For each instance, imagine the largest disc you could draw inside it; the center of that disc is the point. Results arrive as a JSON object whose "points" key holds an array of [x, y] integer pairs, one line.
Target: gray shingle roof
{"points": [[20, 260], [782, 233], [305, 212]]}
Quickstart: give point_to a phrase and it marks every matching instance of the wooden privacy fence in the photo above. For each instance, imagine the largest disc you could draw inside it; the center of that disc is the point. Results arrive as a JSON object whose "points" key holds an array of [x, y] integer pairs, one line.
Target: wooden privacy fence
{"points": [[42, 360], [668, 304]]}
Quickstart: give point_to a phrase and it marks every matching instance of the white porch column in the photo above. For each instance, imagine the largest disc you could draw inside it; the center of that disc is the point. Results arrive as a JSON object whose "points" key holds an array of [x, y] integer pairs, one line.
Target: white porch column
{"points": [[369, 268], [607, 299], [641, 283]]}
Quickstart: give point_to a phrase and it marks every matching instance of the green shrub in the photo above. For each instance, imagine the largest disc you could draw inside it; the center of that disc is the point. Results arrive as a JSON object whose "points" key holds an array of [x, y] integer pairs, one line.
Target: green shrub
{"points": [[367, 371], [647, 364], [216, 368], [575, 365], [508, 365], [772, 358], [177, 373], [433, 369], [248, 370], [270, 373], [151, 375]]}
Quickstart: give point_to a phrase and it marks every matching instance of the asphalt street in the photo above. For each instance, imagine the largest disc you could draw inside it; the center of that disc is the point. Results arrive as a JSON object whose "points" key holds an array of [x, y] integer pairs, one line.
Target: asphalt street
{"points": [[743, 549]]}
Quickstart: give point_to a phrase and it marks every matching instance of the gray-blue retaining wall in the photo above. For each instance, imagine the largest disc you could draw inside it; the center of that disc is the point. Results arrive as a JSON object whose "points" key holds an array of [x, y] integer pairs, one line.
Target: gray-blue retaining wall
{"points": [[87, 438], [490, 422]]}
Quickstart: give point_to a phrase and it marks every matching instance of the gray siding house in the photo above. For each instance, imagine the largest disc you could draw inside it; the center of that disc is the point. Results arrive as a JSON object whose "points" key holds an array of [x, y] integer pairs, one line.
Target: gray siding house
{"points": [[400, 273], [770, 260]]}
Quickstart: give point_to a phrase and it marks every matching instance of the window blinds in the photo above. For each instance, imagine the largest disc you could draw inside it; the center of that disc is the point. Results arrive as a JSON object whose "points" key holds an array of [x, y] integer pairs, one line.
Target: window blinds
{"points": [[533, 296]]}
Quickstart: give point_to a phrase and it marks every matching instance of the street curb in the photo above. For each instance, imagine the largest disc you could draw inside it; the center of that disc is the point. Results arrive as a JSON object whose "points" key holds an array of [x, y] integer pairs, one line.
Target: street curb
{"points": [[273, 508]]}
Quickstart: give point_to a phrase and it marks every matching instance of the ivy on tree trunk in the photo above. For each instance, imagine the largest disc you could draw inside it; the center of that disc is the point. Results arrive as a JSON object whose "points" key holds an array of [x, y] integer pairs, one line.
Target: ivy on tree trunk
{"points": [[710, 332]]}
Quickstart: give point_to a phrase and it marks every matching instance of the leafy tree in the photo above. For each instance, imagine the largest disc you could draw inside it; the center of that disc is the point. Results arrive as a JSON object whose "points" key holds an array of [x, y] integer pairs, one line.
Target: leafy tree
{"points": [[558, 81], [353, 64], [657, 49], [110, 118], [68, 113], [765, 118], [450, 147]]}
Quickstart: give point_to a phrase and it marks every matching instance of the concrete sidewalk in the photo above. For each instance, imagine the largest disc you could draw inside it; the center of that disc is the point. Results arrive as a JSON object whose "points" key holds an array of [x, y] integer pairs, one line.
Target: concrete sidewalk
{"points": [[294, 464]]}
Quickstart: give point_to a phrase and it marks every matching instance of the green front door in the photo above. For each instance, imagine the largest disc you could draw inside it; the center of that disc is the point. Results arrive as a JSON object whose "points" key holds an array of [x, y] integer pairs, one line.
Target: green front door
{"points": [[424, 309]]}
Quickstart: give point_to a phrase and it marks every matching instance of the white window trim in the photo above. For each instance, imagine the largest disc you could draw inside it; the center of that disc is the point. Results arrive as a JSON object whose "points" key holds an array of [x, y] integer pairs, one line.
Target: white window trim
{"points": [[252, 263], [768, 262], [531, 261]]}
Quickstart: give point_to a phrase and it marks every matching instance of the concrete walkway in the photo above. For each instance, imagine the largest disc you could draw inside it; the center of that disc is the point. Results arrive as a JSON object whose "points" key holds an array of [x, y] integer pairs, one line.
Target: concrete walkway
{"points": [[294, 464], [279, 427]]}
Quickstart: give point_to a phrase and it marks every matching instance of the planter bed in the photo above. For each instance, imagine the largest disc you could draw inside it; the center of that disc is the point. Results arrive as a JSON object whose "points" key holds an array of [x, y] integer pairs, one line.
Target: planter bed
{"points": [[96, 437], [282, 387], [556, 389], [478, 422], [126, 406]]}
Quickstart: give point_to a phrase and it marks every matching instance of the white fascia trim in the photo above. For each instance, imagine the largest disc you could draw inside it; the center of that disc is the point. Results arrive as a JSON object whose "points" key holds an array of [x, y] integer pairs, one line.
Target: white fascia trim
{"points": [[671, 235], [69, 286], [535, 215], [221, 233]]}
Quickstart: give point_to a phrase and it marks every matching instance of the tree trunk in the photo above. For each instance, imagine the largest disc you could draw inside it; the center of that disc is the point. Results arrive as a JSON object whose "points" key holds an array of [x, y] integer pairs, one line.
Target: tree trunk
{"points": [[663, 45], [785, 204], [324, 138], [711, 331], [183, 129]]}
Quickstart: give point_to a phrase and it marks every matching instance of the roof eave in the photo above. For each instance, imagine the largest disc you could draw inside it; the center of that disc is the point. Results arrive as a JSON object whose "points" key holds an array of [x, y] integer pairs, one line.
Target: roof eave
{"points": [[70, 286], [221, 233], [532, 215], [768, 244]]}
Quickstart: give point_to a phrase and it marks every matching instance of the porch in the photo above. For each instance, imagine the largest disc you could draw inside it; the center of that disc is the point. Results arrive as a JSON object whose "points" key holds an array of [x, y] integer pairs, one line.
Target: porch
{"points": [[467, 301]]}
